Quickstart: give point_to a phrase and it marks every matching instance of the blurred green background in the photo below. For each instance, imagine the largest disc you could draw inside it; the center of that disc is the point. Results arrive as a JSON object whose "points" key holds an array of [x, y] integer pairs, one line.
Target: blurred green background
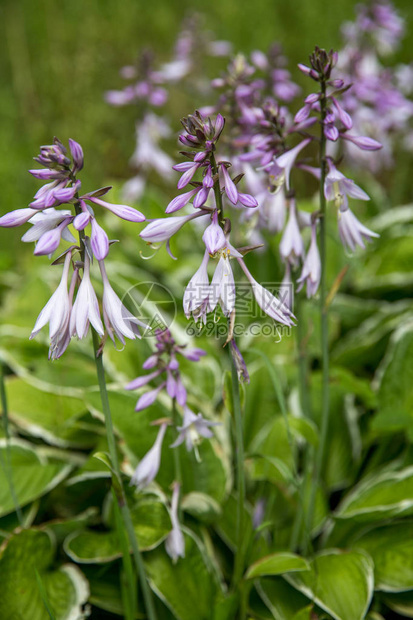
{"points": [[59, 58]]}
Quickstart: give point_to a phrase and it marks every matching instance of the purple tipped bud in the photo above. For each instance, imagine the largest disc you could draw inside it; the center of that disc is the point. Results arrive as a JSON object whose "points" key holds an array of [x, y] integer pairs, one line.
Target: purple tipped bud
{"points": [[187, 176], [50, 240], [99, 241], [48, 174], [82, 220], [77, 154], [17, 217], [123, 211], [363, 142], [302, 114], [230, 187], [201, 198], [66, 193], [306, 70], [150, 362], [199, 157], [180, 201], [208, 180], [219, 126], [331, 132], [247, 200], [342, 114]]}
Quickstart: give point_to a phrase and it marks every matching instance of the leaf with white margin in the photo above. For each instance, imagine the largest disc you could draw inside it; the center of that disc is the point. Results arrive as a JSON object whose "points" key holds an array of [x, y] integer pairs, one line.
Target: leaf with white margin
{"points": [[21, 556], [379, 497], [339, 582]]}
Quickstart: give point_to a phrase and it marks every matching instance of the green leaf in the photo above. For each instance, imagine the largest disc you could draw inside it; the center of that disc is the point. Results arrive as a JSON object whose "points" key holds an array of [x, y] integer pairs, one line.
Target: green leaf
{"points": [[187, 587], [32, 474], [391, 548], [52, 417], [151, 523], [65, 588], [281, 599], [379, 497], [339, 582], [277, 564], [201, 506], [401, 603]]}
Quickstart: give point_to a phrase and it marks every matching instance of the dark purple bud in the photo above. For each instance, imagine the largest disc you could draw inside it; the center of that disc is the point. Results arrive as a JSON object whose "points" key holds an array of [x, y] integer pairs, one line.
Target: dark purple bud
{"points": [[77, 154]]}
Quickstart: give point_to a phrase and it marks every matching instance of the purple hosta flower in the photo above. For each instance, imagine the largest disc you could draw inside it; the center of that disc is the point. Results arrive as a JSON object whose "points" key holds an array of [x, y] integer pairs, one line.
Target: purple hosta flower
{"points": [[337, 187], [123, 211], [57, 310], [148, 155], [352, 232], [240, 365], [45, 221], [163, 229], [118, 320], [86, 307], [165, 362], [222, 290], [279, 169], [99, 241], [196, 295], [213, 236], [49, 241], [148, 467], [175, 542], [311, 272], [17, 217], [292, 246], [193, 428], [269, 303]]}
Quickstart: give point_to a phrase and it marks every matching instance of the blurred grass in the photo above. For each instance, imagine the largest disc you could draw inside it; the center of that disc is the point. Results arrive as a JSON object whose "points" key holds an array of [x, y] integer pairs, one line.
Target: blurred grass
{"points": [[59, 58]]}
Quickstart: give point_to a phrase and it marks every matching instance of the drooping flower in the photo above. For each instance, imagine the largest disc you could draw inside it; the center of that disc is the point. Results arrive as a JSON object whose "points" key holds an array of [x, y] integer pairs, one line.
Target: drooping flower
{"points": [[196, 295], [311, 272], [291, 245], [193, 428], [175, 542], [213, 236], [352, 231], [86, 307], [280, 168], [337, 187], [149, 465]]}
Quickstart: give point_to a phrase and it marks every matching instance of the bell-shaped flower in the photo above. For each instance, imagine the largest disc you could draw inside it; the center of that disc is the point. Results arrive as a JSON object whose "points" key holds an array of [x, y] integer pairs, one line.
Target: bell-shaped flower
{"points": [[337, 187], [118, 320], [213, 236], [311, 272], [352, 231], [86, 307], [148, 467], [61, 340], [291, 245], [223, 285], [196, 295], [175, 542], [163, 229], [280, 168], [44, 221], [269, 303], [57, 310], [193, 428]]}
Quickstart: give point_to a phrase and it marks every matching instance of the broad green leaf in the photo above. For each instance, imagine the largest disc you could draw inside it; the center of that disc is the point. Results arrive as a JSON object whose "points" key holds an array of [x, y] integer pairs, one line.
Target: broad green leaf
{"points": [[66, 588], [395, 397], [281, 599], [151, 524], [401, 603], [52, 417], [32, 474], [391, 548], [277, 564], [339, 582], [379, 497], [187, 587]]}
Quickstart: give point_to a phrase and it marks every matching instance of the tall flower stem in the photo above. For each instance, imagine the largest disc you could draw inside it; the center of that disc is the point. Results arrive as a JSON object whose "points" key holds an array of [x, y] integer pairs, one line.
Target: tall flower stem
{"points": [[239, 449], [325, 409], [121, 497], [123, 505]]}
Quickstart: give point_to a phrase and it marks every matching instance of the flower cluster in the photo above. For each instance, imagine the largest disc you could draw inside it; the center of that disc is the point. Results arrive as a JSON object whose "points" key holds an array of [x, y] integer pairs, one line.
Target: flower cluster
{"points": [[202, 296], [66, 314], [378, 99], [166, 367]]}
